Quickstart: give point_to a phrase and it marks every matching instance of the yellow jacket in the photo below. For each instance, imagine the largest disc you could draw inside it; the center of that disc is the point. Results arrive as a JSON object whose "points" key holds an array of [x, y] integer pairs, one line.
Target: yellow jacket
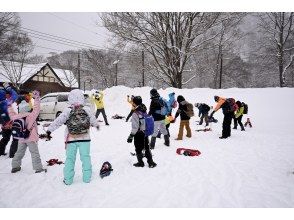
{"points": [[99, 103]]}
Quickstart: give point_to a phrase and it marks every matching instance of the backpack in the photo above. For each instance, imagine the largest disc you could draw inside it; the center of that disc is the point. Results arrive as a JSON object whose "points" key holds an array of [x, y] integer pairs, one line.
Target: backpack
{"points": [[232, 106], [19, 129], [78, 121], [205, 108], [245, 108], [4, 117], [105, 169], [149, 123], [190, 111], [164, 107]]}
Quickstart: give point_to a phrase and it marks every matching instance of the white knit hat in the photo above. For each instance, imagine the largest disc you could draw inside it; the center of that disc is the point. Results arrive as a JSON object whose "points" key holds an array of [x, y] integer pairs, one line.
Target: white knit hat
{"points": [[24, 107]]}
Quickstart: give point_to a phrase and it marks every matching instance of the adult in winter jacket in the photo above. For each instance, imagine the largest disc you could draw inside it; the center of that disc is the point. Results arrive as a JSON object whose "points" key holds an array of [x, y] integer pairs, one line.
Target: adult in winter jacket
{"points": [[228, 115], [203, 112], [75, 142], [185, 119], [97, 98], [238, 116], [140, 140], [30, 116], [159, 124], [7, 96]]}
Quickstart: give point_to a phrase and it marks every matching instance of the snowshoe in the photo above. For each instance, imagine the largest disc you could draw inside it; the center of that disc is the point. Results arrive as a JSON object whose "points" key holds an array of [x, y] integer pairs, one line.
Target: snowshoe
{"points": [[152, 165], [41, 170], [139, 164]]}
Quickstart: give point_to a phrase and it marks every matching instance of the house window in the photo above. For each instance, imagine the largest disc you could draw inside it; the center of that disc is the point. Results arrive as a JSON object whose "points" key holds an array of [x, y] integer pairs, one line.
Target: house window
{"points": [[52, 79], [46, 79]]}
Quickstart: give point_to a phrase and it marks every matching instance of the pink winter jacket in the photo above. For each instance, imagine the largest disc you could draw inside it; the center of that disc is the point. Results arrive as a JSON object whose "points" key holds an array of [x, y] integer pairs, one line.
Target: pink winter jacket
{"points": [[31, 118]]}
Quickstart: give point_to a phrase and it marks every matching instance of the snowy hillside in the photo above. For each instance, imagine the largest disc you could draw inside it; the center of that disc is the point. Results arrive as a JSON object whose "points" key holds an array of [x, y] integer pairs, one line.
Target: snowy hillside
{"points": [[251, 169]]}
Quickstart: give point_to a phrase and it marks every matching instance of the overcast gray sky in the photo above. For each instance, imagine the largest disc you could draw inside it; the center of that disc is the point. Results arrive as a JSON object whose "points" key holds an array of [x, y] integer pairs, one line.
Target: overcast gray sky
{"points": [[80, 26]]}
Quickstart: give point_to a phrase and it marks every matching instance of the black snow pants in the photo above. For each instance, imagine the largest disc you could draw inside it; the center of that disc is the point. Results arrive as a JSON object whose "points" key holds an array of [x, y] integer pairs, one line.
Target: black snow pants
{"points": [[142, 143], [227, 124], [103, 114], [6, 134]]}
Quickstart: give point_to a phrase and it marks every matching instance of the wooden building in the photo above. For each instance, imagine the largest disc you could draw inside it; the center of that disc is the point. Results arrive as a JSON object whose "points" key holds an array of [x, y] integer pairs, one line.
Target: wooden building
{"points": [[41, 77]]}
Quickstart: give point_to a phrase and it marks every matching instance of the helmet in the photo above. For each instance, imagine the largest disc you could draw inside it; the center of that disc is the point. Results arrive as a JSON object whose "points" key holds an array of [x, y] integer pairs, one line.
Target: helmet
{"points": [[197, 105], [216, 98]]}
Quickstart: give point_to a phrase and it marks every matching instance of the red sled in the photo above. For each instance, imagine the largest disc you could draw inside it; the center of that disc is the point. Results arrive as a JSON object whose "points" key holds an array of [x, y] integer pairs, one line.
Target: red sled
{"points": [[188, 152]]}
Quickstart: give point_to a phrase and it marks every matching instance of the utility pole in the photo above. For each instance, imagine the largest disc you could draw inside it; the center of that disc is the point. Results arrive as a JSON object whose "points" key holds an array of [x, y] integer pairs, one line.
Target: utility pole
{"points": [[221, 70], [79, 70], [115, 63], [143, 69]]}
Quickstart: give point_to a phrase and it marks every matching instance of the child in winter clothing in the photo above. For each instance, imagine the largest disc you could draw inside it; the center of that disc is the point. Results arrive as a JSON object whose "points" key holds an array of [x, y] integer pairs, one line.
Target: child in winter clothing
{"points": [[130, 100], [185, 119], [7, 96], [75, 142], [159, 125], [97, 98], [140, 140], [31, 142], [203, 112], [238, 116]]}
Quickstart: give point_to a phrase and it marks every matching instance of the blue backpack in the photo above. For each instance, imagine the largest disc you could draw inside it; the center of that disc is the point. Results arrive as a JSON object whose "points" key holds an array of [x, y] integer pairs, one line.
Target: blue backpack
{"points": [[164, 107], [149, 123]]}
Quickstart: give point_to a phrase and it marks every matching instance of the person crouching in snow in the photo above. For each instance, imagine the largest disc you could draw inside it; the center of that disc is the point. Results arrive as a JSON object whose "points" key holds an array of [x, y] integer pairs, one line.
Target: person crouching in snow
{"points": [[78, 119], [185, 119], [203, 113], [140, 139], [30, 116]]}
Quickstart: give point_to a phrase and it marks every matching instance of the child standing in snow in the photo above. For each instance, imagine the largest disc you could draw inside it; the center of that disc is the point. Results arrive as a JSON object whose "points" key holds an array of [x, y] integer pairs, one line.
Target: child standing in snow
{"points": [[31, 142], [78, 119], [97, 98], [140, 140], [185, 119]]}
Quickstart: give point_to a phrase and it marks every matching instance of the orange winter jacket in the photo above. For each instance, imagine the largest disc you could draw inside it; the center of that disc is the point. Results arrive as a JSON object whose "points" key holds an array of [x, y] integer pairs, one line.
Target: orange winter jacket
{"points": [[219, 104]]}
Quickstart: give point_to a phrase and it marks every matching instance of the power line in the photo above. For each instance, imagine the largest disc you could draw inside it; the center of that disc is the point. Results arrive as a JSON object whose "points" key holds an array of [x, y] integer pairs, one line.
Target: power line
{"points": [[57, 37], [77, 25]]}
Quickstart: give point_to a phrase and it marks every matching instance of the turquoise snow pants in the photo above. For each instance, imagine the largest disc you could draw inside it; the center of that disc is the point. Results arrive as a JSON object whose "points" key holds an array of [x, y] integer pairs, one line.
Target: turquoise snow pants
{"points": [[69, 166]]}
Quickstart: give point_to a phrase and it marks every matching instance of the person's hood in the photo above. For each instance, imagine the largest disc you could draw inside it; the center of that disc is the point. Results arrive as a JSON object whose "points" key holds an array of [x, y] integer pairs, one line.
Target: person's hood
{"points": [[180, 98], [76, 97], [141, 108]]}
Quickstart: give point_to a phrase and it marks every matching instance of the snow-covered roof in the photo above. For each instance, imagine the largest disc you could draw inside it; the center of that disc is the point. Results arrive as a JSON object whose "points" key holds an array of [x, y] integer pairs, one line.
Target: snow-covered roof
{"points": [[29, 70]]}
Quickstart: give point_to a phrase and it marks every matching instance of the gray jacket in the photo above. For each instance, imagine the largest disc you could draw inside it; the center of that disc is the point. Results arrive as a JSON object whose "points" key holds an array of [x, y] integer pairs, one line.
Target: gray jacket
{"points": [[138, 123]]}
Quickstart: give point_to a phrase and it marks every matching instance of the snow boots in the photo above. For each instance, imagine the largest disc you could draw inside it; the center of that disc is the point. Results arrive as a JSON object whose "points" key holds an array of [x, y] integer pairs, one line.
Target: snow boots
{"points": [[16, 169], [41, 170], [166, 140], [140, 162]]}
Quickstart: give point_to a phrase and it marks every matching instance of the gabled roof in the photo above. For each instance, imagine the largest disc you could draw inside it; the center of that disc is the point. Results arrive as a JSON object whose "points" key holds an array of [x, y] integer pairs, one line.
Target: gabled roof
{"points": [[29, 70]]}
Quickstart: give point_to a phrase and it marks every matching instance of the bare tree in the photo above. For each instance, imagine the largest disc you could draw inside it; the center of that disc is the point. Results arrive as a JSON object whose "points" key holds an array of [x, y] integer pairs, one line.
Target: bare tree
{"points": [[170, 38], [12, 68], [9, 23], [278, 47]]}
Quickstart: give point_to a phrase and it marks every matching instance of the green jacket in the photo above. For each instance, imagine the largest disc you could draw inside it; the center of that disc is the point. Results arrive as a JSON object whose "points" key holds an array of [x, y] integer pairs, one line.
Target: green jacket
{"points": [[239, 112]]}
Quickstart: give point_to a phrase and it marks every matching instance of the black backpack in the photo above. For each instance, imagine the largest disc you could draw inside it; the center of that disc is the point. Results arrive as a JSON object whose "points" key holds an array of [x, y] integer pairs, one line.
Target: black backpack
{"points": [[105, 169], [19, 129], [245, 108]]}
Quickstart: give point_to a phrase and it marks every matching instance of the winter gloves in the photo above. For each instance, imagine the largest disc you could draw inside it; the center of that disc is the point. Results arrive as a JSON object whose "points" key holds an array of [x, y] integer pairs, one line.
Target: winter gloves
{"points": [[130, 138]]}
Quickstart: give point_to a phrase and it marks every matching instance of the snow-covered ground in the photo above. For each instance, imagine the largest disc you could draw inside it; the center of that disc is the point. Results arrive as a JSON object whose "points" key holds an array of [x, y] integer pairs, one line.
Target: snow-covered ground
{"points": [[251, 169]]}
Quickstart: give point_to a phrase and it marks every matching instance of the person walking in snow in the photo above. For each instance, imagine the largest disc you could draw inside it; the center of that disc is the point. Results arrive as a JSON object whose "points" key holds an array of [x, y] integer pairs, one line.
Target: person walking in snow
{"points": [[185, 119], [156, 106], [97, 98], [203, 112], [130, 101], [140, 139], [238, 116], [228, 115], [78, 119], [30, 116]]}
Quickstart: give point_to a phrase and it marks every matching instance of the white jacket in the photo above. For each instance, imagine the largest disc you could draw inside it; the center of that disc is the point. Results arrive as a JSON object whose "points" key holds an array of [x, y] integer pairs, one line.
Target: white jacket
{"points": [[75, 97]]}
